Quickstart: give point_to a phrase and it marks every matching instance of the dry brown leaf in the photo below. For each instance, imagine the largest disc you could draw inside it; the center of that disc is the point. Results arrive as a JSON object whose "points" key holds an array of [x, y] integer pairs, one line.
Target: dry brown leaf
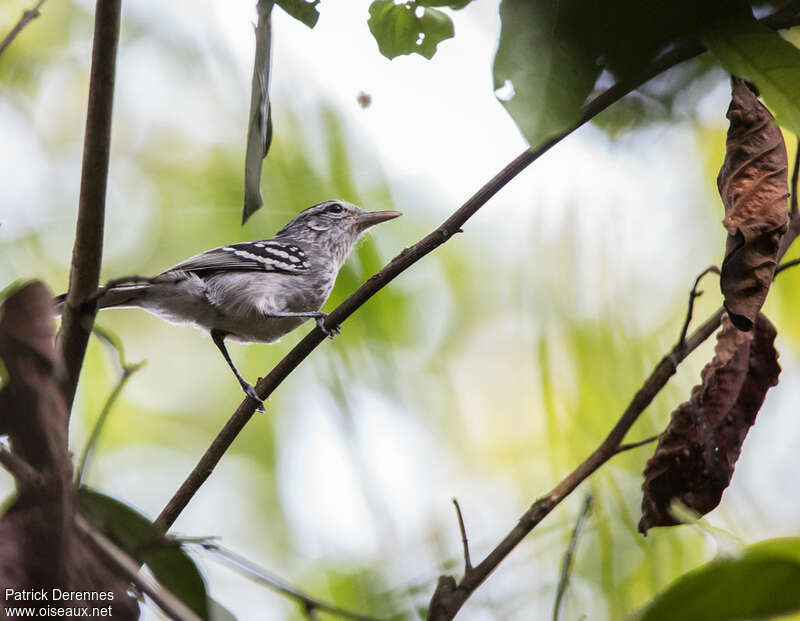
{"points": [[696, 454], [39, 545], [753, 184]]}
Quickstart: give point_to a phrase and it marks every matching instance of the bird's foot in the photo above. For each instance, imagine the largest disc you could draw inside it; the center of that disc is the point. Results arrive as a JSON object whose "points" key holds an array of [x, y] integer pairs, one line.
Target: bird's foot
{"points": [[251, 392], [329, 332]]}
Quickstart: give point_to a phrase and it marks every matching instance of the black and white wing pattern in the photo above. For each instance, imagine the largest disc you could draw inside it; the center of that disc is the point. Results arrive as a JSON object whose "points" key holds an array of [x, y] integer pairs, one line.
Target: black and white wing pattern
{"points": [[267, 256]]}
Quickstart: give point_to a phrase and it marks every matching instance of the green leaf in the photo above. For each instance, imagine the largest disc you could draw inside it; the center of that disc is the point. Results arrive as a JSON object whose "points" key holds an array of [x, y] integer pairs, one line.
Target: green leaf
{"points": [[551, 71], [137, 535], [761, 583], [301, 10], [760, 55], [398, 30]]}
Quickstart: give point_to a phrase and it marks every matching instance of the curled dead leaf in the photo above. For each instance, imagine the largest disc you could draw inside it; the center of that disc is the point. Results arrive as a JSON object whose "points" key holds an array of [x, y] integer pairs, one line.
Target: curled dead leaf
{"points": [[753, 184], [695, 457]]}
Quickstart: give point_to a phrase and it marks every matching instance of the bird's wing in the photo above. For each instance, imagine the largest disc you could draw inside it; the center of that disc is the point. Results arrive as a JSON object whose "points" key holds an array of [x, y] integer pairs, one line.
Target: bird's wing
{"points": [[266, 256]]}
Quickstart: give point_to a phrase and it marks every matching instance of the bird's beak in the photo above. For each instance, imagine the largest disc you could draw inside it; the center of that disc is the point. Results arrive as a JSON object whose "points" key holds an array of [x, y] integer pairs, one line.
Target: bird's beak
{"points": [[371, 218]]}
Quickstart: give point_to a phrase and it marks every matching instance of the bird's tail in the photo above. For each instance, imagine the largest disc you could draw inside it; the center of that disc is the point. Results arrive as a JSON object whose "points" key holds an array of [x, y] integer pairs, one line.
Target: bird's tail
{"points": [[120, 296]]}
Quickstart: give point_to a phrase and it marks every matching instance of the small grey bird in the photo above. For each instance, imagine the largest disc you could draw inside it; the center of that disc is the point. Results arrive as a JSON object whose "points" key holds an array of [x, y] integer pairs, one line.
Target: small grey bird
{"points": [[257, 291]]}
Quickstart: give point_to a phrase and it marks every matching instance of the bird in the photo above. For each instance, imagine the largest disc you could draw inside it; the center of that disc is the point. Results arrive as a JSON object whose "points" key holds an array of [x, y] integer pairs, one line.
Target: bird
{"points": [[254, 291]]}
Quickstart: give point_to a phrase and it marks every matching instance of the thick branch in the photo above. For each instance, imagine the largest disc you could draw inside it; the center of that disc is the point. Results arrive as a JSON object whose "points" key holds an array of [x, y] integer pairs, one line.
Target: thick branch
{"points": [[27, 16], [87, 252], [402, 262]]}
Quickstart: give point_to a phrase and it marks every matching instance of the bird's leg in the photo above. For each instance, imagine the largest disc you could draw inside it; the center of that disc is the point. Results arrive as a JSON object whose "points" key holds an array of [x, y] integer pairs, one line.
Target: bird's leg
{"points": [[318, 316], [218, 336]]}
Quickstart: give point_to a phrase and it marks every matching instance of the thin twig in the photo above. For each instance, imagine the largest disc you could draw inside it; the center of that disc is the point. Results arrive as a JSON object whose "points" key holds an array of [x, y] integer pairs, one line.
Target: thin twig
{"points": [[126, 371], [88, 449], [634, 445], [26, 475], [279, 585], [128, 567], [794, 216], [27, 16], [450, 596], [87, 252], [786, 266], [793, 211], [566, 563], [464, 541], [693, 294]]}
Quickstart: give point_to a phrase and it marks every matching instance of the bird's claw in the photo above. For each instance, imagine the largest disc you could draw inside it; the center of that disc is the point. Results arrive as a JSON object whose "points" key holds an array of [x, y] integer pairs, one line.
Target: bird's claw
{"points": [[329, 332], [251, 392]]}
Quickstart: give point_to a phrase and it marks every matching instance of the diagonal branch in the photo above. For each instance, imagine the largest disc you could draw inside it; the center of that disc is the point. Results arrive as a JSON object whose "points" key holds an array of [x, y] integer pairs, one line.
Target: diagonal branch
{"points": [[450, 596], [87, 252], [27, 16], [405, 260]]}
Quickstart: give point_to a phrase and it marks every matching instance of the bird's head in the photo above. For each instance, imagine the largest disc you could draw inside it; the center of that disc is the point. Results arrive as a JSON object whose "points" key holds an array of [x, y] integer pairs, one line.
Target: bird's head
{"points": [[335, 225]]}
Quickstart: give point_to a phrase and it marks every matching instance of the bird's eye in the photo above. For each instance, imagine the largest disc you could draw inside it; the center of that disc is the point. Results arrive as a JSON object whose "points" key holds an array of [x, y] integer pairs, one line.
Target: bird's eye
{"points": [[335, 208]]}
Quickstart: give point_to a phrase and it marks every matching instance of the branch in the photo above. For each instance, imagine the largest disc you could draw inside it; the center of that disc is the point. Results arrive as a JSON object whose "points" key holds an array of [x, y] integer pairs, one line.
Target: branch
{"points": [[87, 252], [402, 262], [127, 370], [634, 445], [786, 266], [464, 541], [450, 596], [794, 216], [309, 603], [128, 567], [394, 268], [566, 564], [666, 368], [693, 294], [27, 16]]}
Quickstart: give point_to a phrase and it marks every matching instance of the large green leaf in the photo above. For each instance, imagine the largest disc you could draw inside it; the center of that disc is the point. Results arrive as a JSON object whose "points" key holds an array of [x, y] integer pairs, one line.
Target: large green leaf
{"points": [[759, 584], [137, 535], [552, 51], [409, 28], [760, 55], [550, 69]]}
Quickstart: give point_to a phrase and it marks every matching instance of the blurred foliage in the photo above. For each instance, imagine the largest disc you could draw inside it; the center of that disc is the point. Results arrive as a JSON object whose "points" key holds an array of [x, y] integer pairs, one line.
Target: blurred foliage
{"points": [[760, 583], [553, 55], [499, 384], [760, 55], [139, 538]]}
